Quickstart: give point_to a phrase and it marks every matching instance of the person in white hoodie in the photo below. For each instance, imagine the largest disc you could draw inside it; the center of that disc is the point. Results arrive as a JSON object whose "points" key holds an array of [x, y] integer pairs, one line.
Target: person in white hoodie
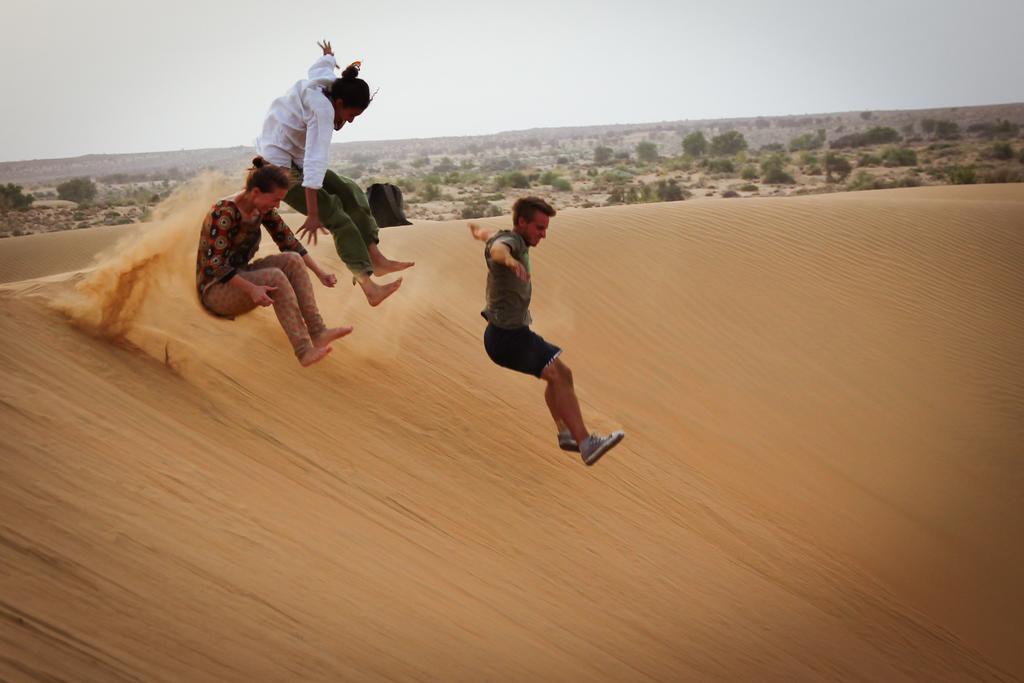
{"points": [[297, 134]]}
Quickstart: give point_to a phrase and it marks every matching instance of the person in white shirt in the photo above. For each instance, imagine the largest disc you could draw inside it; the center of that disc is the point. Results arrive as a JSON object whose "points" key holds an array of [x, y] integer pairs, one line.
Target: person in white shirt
{"points": [[297, 134]]}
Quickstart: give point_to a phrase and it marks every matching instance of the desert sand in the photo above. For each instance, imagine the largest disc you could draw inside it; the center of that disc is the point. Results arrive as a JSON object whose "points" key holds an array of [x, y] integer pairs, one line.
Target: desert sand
{"points": [[822, 479]]}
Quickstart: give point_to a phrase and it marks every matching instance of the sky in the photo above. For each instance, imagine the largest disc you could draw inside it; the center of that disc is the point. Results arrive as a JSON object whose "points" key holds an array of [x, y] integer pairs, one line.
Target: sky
{"points": [[113, 76]]}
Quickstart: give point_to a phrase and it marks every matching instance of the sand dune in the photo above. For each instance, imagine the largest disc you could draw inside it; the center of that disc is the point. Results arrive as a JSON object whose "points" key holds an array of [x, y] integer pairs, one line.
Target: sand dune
{"points": [[824, 401]]}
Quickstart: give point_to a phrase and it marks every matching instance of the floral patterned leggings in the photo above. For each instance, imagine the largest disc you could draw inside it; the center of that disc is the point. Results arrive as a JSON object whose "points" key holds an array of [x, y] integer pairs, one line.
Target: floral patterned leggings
{"points": [[293, 299]]}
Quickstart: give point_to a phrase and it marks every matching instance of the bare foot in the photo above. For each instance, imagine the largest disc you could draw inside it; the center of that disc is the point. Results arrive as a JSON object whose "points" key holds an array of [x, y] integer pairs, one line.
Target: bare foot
{"points": [[329, 335], [377, 293], [385, 266], [313, 355]]}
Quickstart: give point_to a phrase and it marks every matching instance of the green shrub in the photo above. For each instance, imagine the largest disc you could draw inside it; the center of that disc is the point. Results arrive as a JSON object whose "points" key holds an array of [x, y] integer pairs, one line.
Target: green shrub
{"points": [[879, 135], [730, 194], [962, 175], [869, 160], [773, 170], [11, 197], [999, 129], [646, 151], [81, 190], [728, 143], [808, 141], [430, 192], [947, 130], [562, 185], [603, 155], [748, 173], [695, 144], [1001, 150], [772, 147], [838, 164], [899, 156], [808, 159], [1004, 174], [480, 209], [669, 191], [513, 179], [749, 187], [421, 162], [721, 166], [446, 165]]}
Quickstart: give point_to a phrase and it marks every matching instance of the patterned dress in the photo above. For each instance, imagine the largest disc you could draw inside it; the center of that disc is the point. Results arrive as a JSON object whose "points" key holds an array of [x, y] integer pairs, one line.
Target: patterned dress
{"points": [[228, 242]]}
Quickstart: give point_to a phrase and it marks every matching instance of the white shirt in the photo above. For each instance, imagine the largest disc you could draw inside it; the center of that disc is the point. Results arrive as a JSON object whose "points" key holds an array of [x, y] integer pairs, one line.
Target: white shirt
{"points": [[299, 125]]}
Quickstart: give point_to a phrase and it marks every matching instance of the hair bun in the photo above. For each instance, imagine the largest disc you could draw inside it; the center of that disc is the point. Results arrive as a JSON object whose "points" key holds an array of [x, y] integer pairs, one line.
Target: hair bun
{"points": [[258, 162], [352, 70]]}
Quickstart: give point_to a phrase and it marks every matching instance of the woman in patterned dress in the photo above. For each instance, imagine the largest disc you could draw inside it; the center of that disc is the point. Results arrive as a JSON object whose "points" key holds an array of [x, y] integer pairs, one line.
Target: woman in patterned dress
{"points": [[230, 283]]}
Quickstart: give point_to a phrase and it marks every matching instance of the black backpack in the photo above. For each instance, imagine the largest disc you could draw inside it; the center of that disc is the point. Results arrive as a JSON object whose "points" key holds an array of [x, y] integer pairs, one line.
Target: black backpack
{"points": [[386, 204]]}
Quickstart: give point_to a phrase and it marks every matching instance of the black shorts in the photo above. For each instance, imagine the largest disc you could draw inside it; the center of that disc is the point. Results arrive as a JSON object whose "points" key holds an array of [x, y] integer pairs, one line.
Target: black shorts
{"points": [[520, 349]]}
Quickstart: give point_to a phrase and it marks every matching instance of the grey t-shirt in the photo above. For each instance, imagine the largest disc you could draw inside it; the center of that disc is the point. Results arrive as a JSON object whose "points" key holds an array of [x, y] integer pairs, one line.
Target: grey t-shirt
{"points": [[508, 297]]}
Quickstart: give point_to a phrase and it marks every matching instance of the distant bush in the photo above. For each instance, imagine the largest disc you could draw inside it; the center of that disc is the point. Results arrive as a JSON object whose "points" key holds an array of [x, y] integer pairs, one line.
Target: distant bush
{"points": [[867, 115], [899, 156], [430, 192], [878, 135], [808, 159], [721, 166], [81, 190], [999, 129], [646, 151], [669, 191], [555, 181], [838, 164], [748, 173], [808, 141], [730, 194], [749, 187], [962, 175], [11, 197], [728, 143], [446, 165], [421, 162], [695, 144], [773, 147], [940, 128], [513, 179], [773, 170], [1001, 150], [1003, 175], [869, 160], [480, 209], [603, 155]]}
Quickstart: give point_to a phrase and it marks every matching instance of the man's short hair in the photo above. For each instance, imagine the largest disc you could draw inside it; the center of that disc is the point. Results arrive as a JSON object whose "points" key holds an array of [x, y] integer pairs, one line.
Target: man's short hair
{"points": [[527, 207]]}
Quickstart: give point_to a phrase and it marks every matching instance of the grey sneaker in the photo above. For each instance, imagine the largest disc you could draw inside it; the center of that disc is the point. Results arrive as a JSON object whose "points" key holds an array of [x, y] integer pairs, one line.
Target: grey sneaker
{"points": [[594, 446], [567, 443]]}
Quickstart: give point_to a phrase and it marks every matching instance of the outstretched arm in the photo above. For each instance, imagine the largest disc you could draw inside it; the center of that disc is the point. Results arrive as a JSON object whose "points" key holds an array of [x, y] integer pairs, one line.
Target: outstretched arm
{"points": [[480, 233]]}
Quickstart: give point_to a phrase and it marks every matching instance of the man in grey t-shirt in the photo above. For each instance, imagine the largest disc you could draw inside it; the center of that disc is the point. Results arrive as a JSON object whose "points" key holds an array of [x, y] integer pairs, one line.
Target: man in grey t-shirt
{"points": [[508, 339]]}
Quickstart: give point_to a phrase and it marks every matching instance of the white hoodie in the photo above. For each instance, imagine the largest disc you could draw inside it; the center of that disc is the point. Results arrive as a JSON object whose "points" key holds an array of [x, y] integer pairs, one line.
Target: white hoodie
{"points": [[298, 127]]}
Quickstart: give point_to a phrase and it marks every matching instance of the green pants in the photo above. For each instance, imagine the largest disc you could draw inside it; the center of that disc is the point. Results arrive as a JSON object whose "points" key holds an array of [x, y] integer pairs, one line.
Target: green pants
{"points": [[344, 211]]}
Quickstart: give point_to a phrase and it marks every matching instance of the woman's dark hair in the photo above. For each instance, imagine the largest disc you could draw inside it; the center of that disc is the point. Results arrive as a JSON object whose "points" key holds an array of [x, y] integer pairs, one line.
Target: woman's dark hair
{"points": [[267, 177], [350, 89]]}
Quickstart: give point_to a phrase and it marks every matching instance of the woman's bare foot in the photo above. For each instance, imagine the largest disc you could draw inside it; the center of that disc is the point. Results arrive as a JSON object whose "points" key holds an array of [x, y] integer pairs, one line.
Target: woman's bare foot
{"points": [[329, 335], [313, 355], [377, 293]]}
